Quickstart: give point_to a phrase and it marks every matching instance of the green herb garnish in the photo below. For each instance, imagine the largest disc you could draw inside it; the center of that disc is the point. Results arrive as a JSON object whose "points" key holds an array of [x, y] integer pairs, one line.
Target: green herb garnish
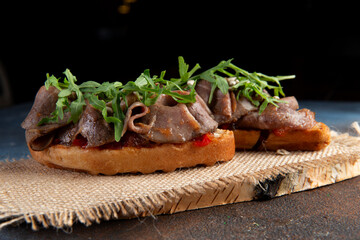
{"points": [[225, 76], [73, 97], [250, 85]]}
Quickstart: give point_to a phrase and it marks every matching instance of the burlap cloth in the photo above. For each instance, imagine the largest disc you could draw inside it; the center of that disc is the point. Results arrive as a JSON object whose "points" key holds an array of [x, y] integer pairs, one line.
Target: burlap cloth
{"points": [[42, 196]]}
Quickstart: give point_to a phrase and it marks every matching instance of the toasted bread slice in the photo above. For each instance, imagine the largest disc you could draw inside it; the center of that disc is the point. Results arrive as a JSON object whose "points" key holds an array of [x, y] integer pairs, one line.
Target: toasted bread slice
{"points": [[312, 139], [162, 157]]}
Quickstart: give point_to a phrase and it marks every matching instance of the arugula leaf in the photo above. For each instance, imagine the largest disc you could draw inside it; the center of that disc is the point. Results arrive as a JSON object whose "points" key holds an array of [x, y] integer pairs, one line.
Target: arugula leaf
{"points": [[62, 103], [96, 102], [141, 81], [64, 93], [222, 84], [89, 84], [76, 108], [185, 75], [216, 80], [250, 85], [51, 81], [150, 88], [146, 75], [119, 117], [47, 120], [183, 69], [58, 113], [213, 88]]}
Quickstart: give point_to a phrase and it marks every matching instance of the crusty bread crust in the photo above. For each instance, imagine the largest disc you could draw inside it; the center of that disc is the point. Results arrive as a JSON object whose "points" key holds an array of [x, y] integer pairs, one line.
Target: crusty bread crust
{"points": [[312, 139], [164, 157], [168, 157]]}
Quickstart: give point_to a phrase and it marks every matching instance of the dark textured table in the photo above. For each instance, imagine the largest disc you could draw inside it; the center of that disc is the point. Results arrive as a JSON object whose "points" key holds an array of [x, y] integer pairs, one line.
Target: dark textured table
{"points": [[330, 212]]}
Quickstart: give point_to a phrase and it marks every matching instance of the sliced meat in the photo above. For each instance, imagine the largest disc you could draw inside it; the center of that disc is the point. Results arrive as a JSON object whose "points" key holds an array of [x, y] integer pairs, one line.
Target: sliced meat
{"points": [[225, 107], [37, 140], [94, 128], [167, 121], [132, 115], [91, 126], [221, 107], [220, 104], [203, 89], [241, 107], [172, 122], [203, 115], [40, 137], [43, 106], [67, 134], [290, 102], [274, 117], [130, 99]]}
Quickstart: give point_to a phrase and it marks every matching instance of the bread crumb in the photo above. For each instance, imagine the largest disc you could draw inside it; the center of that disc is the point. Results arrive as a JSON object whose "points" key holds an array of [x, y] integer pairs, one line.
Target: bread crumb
{"points": [[282, 152]]}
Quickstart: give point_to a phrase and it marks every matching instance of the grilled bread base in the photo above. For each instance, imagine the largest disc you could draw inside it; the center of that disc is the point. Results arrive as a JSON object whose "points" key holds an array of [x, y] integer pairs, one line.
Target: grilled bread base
{"points": [[312, 139], [163, 157]]}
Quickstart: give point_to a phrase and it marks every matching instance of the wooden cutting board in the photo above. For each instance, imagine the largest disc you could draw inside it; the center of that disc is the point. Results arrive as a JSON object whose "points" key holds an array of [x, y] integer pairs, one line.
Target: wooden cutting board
{"points": [[47, 197]]}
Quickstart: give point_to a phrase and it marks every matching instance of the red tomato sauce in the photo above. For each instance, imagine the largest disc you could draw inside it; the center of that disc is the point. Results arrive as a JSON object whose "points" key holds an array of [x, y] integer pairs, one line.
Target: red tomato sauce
{"points": [[280, 132], [80, 142], [202, 141]]}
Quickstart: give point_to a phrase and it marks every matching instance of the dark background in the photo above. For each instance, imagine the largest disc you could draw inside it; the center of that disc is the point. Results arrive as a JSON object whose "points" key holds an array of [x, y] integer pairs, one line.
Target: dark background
{"points": [[319, 41]]}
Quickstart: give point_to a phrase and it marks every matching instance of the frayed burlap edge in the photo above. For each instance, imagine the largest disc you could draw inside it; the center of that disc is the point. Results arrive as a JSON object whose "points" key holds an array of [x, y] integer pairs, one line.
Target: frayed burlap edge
{"points": [[237, 188], [147, 206]]}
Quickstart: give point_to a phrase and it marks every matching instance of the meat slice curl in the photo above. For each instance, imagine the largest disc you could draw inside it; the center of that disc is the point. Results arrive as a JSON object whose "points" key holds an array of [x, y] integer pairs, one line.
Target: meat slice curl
{"points": [[135, 111], [171, 122], [40, 137]]}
